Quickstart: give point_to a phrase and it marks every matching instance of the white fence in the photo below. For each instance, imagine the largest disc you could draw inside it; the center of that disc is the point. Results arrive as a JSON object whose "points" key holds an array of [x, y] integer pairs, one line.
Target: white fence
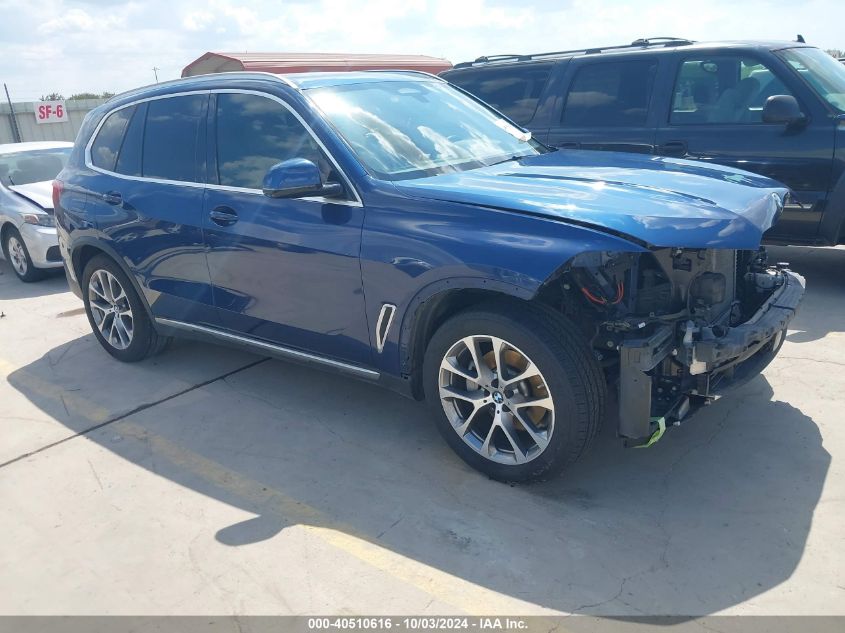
{"points": [[32, 131]]}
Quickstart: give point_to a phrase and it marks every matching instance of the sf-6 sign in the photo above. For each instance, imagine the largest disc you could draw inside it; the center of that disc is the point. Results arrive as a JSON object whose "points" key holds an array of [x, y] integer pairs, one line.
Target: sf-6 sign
{"points": [[51, 112]]}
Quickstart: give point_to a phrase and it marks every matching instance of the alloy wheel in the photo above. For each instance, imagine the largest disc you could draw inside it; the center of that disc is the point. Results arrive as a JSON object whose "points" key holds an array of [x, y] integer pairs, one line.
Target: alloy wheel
{"points": [[17, 255], [110, 309], [496, 399]]}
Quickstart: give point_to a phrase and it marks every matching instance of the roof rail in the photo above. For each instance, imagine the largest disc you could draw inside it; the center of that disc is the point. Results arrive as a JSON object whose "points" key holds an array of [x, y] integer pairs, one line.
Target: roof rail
{"points": [[203, 78], [651, 42], [403, 71]]}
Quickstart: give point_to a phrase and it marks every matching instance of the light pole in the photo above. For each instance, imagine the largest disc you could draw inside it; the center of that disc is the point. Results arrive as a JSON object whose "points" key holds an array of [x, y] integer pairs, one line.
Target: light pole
{"points": [[155, 72]]}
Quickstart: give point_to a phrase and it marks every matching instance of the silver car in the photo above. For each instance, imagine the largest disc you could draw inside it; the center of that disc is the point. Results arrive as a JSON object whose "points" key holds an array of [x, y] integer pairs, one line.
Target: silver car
{"points": [[27, 226]]}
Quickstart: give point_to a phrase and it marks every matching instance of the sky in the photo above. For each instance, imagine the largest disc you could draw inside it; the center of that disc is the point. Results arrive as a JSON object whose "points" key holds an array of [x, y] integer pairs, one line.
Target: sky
{"points": [[71, 46]]}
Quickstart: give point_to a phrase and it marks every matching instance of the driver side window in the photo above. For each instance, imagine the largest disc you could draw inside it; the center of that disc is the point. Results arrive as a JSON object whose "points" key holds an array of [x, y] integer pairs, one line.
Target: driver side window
{"points": [[254, 133], [723, 90]]}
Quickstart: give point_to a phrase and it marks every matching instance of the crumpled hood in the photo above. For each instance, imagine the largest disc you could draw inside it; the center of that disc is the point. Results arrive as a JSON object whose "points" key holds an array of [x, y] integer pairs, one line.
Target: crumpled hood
{"points": [[41, 193], [658, 201]]}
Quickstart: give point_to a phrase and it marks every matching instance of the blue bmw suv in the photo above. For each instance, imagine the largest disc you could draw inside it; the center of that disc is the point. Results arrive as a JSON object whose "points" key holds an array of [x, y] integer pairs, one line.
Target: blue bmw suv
{"points": [[390, 226]]}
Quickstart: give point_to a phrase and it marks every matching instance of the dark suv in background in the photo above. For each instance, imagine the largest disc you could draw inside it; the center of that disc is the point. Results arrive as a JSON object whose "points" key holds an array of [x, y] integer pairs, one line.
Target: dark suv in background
{"points": [[772, 108]]}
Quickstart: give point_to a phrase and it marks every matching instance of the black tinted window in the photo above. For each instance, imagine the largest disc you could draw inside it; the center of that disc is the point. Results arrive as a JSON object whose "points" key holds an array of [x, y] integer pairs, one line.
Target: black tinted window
{"points": [[610, 93], [105, 147], [129, 158], [172, 138], [253, 134], [513, 90], [723, 89]]}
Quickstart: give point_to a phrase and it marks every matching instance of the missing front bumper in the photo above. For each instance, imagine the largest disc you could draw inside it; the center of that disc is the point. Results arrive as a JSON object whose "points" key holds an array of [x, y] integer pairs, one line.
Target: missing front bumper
{"points": [[713, 360]]}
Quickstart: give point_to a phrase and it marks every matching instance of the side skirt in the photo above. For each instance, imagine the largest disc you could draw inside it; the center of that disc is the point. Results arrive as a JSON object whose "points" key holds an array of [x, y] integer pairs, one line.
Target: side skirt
{"points": [[208, 333]]}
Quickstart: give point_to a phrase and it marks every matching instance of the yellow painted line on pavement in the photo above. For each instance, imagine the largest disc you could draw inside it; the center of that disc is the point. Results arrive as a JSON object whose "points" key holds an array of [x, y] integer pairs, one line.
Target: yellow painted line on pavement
{"points": [[31, 386], [461, 594]]}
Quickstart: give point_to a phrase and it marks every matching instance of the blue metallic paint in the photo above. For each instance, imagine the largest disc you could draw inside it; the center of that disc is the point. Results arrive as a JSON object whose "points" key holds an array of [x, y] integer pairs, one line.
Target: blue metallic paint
{"points": [[314, 275], [413, 249], [658, 201], [291, 177], [287, 271]]}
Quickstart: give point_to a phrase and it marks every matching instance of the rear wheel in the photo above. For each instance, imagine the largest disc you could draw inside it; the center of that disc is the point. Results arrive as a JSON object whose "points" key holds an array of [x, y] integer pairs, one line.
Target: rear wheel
{"points": [[116, 313], [515, 391], [16, 253]]}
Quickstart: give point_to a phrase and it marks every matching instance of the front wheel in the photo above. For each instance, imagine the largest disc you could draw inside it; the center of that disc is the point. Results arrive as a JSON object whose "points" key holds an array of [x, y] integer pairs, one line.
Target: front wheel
{"points": [[16, 253], [515, 390], [117, 316]]}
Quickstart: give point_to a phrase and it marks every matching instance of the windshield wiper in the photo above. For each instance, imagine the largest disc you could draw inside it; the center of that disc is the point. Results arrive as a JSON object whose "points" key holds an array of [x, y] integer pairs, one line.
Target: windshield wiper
{"points": [[509, 159]]}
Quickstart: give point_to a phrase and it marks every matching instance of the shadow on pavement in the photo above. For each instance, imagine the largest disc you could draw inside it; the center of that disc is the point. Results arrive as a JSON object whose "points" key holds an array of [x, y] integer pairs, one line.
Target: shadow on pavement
{"points": [[715, 513]]}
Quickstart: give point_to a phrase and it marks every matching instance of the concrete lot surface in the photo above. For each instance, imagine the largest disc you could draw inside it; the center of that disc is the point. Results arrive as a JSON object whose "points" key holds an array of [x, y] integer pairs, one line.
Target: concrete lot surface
{"points": [[210, 481]]}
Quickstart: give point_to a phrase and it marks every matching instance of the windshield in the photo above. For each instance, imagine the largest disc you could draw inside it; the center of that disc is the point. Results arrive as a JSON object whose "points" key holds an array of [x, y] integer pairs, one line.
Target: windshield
{"points": [[409, 129], [37, 165], [824, 74]]}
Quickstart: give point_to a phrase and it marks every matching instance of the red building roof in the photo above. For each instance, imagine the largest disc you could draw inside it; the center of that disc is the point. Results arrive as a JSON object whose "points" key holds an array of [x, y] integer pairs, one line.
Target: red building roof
{"points": [[308, 62]]}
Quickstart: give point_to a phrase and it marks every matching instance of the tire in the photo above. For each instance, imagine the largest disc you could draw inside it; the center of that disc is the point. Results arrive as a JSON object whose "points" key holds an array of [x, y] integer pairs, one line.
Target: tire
{"points": [[562, 428], [17, 254], [117, 315]]}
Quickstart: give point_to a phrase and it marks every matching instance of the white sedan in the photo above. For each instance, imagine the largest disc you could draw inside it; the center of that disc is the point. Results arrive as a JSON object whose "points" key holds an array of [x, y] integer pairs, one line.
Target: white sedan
{"points": [[27, 225]]}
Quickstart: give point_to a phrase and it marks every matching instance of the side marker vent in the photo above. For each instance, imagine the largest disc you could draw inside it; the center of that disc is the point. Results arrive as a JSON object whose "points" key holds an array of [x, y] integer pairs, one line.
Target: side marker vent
{"points": [[385, 320]]}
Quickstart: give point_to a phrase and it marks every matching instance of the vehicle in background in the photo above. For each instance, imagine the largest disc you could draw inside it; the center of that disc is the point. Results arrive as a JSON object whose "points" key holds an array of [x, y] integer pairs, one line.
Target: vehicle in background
{"points": [[388, 226], [27, 225], [776, 109]]}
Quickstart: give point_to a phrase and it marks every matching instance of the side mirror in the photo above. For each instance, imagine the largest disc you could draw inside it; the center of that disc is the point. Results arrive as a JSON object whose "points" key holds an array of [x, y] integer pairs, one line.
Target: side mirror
{"points": [[297, 178], [782, 109]]}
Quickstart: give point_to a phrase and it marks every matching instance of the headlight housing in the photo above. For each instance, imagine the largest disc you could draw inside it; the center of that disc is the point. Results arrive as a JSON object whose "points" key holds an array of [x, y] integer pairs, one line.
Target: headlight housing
{"points": [[39, 219]]}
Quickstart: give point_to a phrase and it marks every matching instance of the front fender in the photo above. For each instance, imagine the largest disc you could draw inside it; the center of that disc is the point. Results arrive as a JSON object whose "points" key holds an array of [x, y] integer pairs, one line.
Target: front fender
{"points": [[414, 251]]}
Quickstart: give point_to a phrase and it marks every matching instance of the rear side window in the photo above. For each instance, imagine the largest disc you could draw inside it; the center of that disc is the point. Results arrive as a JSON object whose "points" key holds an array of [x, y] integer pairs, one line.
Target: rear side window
{"points": [[171, 148], [610, 94], [105, 148], [513, 90], [129, 158], [253, 134]]}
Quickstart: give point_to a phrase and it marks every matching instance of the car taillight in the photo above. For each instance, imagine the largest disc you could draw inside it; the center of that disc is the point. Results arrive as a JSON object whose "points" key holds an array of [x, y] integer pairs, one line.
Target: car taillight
{"points": [[58, 185]]}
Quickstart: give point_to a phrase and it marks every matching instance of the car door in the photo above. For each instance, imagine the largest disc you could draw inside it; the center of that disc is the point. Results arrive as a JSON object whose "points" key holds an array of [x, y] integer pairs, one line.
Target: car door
{"points": [[715, 115], [145, 191], [283, 270], [606, 105]]}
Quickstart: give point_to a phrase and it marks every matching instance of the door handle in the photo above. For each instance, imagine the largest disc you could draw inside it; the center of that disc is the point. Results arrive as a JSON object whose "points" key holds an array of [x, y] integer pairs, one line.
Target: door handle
{"points": [[673, 148], [223, 216], [112, 197]]}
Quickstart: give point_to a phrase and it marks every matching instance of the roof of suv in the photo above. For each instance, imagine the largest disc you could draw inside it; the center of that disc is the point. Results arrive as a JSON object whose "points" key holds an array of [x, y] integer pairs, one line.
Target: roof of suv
{"points": [[652, 45], [304, 81], [298, 81]]}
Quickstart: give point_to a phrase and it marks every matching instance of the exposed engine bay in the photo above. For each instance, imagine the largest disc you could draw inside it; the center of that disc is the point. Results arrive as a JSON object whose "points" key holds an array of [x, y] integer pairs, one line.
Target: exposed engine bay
{"points": [[675, 327]]}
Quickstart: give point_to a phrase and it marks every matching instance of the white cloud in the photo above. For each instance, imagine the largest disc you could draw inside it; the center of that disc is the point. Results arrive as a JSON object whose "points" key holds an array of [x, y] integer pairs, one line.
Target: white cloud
{"points": [[476, 14], [72, 46], [197, 20], [71, 20]]}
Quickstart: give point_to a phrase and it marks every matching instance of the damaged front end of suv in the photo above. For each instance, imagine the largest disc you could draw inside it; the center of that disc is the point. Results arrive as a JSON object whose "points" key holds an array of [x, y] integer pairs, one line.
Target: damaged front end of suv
{"points": [[676, 327], [683, 303]]}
